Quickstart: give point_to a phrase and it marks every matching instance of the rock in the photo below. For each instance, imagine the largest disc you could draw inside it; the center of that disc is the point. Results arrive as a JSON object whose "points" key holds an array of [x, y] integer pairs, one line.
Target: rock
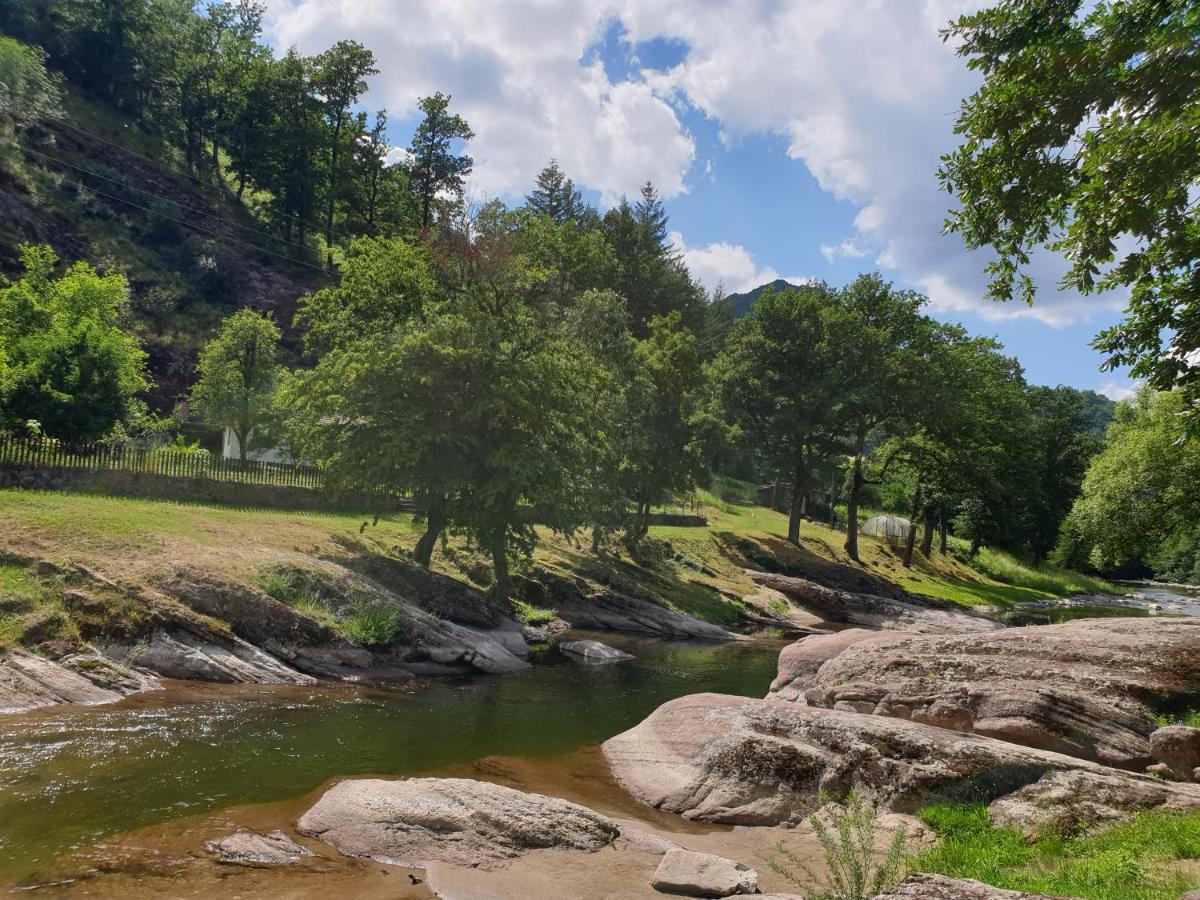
{"points": [[1079, 688], [248, 848], [742, 761], [454, 820], [872, 611], [186, 656], [703, 875], [545, 631], [29, 682], [593, 653], [1178, 748], [920, 886], [799, 662], [1191, 895], [612, 611]]}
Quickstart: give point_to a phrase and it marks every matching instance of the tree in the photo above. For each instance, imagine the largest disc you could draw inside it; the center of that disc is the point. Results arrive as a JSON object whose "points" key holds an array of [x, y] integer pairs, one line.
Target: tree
{"points": [[28, 93], [434, 168], [650, 274], [340, 78], [778, 379], [1141, 495], [385, 283], [555, 195], [64, 361], [238, 374], [1083, 139], [882, 335]]}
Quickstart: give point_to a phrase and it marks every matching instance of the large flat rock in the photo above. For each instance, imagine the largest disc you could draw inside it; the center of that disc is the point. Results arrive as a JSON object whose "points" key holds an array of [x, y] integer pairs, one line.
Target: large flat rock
{"points": [[874, 611], [420, 821], [29, 682], [922, 886], [1085, 688], [738, 760]]}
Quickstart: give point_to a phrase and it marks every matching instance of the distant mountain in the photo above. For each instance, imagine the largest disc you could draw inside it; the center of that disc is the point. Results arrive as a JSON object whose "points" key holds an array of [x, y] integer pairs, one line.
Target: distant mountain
{"points": [[739, 304]]}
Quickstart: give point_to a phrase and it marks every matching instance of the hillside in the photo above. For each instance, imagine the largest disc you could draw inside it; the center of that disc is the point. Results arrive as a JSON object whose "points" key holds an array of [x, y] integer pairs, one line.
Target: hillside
{"points": [[740, 304], [96, 187]]}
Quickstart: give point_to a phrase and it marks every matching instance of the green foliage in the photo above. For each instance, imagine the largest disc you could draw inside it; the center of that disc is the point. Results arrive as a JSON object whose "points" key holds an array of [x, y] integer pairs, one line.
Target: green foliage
{"points": [[528, 614], [856, 870], [1047, 579], [436, 170], [372, 624], [64, 360], [28, 93], [555, 196], [1083, 134], [1141, 496], [239, 374], [1126, 862]]}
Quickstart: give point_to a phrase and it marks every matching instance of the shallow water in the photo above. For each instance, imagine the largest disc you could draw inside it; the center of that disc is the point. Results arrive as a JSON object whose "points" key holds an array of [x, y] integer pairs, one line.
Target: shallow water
{"points": [[70, 776]]}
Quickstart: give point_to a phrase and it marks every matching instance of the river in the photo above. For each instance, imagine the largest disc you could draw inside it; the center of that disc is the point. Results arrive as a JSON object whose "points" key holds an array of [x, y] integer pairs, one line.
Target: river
{"points": [[71, 776]]}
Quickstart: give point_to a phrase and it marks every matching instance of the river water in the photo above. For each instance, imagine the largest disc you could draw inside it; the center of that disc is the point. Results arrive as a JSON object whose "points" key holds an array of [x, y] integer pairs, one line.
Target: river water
{"points": [[70, 776]]}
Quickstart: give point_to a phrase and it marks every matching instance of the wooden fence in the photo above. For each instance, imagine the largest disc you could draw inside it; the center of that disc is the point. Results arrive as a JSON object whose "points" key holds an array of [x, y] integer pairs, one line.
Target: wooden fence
{"points": [[43, 454]]}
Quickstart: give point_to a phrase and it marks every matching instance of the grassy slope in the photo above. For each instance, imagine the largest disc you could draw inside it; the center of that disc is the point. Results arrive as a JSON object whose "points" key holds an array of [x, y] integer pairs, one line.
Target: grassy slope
{"points": [[137, 539]]}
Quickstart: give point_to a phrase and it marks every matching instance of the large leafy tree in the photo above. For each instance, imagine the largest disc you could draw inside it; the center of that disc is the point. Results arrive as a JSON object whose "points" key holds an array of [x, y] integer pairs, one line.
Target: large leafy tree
{"points": [[778, 379], [1140, 502], [28, 93], [64, 361], [1084, 138], [435, 168], [239, 375]]}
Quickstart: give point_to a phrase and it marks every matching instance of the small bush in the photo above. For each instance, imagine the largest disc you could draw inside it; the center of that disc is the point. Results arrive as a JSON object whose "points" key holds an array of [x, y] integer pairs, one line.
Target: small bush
{"points": [[280, 584], [372, 625], [856, 872], [528, 614]]}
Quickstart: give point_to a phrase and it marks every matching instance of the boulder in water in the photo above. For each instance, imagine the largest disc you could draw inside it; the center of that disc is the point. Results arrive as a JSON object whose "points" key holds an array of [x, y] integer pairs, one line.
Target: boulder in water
{"points": [[249, 848], [593, 653]]}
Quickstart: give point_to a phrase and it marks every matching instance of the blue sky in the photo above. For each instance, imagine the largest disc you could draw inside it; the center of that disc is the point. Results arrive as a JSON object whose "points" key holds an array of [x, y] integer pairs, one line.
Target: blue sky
{"points": [[790, 138]]}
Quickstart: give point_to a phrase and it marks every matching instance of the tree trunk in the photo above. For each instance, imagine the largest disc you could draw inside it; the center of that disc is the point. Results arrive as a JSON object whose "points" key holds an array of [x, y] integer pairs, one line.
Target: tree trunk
{"points": [[942, 535], [911, 540], [435, 523], [856, 486], [799, 489], [927, 537], [242, 435], [499, 552]]}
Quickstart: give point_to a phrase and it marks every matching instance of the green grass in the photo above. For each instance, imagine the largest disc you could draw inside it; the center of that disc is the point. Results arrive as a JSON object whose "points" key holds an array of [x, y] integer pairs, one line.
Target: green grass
{"points": [[1005, 568], [372, 624], [528, 614], [1190, 718], [1134, 861]]}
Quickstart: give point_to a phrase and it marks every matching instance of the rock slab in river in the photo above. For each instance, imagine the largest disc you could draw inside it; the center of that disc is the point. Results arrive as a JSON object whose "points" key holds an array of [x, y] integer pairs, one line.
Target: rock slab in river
{"points": [[921, 886], [1079, 688], [872, 611], [703, 875], [593, 652], [455, 820], [742, 761], [29, 682], [249, 848]]}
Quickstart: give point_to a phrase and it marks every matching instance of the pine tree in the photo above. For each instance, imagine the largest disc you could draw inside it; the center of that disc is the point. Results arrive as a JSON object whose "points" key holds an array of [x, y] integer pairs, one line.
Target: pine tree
{"points": [[555, 195], [434, 168]]}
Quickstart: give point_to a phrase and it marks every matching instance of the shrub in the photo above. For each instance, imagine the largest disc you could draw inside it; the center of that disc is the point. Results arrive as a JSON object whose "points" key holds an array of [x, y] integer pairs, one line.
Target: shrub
{"points": [[372, 625], [856, 871]]}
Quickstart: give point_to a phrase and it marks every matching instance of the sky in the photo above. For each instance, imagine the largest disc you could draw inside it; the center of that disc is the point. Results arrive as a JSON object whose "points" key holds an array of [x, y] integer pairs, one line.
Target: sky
{"points": [[789, 138]]}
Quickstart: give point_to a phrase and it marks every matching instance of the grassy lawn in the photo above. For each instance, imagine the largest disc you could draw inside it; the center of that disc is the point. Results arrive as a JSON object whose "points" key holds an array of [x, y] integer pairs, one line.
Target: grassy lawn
{"points": [[1152, 857], [698, 570]]}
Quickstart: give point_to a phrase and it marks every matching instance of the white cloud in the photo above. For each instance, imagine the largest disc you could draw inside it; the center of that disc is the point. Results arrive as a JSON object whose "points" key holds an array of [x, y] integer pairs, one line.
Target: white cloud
{"points": [[1115, 390], [866, 94], [514, 71], [851, 248], [730, 266]]}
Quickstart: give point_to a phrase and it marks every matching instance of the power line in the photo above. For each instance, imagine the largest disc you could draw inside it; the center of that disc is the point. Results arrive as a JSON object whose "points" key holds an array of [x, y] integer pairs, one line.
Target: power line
{"points": [[216, 234], [185, 208], [172, 169]]}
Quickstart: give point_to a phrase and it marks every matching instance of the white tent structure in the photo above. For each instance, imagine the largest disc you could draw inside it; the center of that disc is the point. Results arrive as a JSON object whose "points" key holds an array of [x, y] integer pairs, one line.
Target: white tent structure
{"points": [[893, 529]]}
